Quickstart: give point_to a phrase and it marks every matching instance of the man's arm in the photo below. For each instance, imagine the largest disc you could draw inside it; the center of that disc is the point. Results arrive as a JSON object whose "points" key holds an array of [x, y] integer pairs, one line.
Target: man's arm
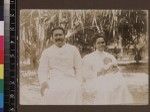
{"points": [[77, 63], [43, 72]]}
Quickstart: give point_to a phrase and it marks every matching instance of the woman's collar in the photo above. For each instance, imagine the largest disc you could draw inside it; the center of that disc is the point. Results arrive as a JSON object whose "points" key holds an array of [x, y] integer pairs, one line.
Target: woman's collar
{"points": [[100, 52]]}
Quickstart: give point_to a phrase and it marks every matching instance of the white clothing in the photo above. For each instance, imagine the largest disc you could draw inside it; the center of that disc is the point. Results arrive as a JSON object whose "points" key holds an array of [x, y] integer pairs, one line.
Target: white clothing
{"points": [[60, 67], [110, 88]]}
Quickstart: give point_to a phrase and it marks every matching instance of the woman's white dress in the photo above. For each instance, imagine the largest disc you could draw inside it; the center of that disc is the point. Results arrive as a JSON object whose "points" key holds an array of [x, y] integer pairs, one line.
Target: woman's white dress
{"points": [[108, 89], [59, 67]]}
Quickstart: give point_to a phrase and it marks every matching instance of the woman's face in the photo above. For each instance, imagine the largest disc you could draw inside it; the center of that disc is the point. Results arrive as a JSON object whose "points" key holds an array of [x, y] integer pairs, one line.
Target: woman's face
{"points": [[100, 44]]}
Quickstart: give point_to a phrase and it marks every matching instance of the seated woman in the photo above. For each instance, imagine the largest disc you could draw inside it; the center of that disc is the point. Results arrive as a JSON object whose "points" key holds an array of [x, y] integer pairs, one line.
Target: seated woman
{"points": [[104, 83]]}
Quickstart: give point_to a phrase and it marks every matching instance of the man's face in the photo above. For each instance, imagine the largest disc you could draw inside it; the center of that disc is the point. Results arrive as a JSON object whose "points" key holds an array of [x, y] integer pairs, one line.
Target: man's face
{"points": [[59, 37], [100, 44]]}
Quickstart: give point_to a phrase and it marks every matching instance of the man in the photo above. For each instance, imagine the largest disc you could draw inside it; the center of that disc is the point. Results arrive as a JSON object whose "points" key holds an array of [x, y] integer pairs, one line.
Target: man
{"points": [[59, 71]]}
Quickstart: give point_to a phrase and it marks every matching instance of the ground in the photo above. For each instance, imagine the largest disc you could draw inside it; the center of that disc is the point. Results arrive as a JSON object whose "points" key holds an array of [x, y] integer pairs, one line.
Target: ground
{"points": [[135, 76]]}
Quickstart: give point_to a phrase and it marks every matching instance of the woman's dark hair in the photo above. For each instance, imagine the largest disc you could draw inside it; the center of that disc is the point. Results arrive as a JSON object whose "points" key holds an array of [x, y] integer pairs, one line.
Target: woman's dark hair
{"points": [[58, 28], [97, 36]]}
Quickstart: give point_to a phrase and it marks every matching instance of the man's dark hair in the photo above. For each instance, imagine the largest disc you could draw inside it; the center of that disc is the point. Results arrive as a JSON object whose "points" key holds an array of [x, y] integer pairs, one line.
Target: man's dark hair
{"points": [[58, 28]]}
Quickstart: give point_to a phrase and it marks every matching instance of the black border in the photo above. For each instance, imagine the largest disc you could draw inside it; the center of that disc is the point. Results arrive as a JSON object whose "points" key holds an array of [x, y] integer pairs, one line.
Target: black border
{"points": [[83, 4], [1, 13]]}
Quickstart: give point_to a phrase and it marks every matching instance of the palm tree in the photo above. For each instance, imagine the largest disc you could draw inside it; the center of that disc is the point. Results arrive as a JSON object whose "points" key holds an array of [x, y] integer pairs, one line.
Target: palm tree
{"points": [[123, 27]]}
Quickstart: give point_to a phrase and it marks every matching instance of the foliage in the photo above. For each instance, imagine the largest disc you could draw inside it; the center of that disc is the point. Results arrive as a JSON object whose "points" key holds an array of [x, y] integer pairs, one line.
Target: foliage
{"points": [[81, 27]]}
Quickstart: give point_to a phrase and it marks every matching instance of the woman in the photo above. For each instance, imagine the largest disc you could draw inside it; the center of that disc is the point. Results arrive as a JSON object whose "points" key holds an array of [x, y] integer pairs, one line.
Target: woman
{"points": [[104, 84]]}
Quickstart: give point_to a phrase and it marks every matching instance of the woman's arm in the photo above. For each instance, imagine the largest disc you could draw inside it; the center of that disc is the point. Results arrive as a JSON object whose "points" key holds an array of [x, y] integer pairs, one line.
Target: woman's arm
{"points": [[88, 71], [111, 67]]}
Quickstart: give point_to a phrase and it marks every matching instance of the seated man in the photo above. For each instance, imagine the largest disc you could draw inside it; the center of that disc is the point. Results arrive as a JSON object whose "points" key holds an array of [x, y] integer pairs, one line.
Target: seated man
{"points": [[59, 72]]}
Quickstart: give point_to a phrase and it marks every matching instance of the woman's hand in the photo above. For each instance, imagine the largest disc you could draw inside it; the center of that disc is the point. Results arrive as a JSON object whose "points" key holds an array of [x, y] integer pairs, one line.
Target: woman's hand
{"points": [[113, 69], [44, 86], [102, 72]]}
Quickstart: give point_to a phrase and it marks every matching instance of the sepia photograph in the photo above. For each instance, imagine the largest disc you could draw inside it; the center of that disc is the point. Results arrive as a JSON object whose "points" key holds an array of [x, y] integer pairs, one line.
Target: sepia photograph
{"points": [[83, 57]]}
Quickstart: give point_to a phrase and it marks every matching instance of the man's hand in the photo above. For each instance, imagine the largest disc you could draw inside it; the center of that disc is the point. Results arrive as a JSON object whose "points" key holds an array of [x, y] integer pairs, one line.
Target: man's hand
{"points": [[44, 86]]}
